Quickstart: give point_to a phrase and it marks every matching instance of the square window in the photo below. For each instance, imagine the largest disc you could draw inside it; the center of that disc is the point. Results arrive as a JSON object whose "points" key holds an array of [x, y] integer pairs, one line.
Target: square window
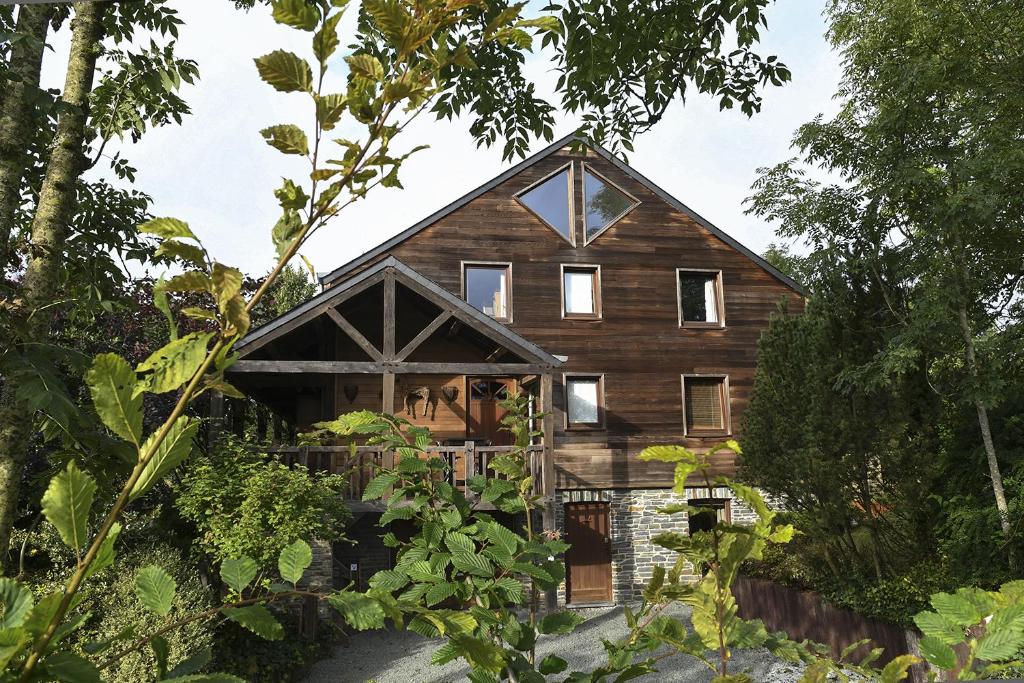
{"points": [[581, 292], [488, 288], [705, 404], [584, 401], [700, 301]]}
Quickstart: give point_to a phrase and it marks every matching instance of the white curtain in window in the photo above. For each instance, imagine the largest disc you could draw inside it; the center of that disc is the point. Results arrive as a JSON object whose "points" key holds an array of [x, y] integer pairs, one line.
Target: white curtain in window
{"points": [[710, 299], [579, 292], [583, 401]]}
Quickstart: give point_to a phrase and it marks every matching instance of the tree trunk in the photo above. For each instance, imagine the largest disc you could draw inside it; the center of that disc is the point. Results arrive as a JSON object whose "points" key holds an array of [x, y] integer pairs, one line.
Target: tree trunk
{"points": [[16, 120], [50, 227], [986, 430]]}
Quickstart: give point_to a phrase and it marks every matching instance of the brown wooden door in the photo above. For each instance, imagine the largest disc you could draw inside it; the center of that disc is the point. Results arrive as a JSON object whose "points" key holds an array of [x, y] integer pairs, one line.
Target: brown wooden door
{"points": [[485, 411], [589, 560]]}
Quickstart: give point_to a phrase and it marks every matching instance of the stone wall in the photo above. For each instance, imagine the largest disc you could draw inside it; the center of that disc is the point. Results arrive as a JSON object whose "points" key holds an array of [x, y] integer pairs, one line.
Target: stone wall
{"points": [[634, 522]]}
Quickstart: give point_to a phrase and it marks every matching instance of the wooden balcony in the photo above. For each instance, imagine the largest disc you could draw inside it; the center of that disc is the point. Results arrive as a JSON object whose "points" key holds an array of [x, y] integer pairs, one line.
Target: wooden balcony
{"points": [[464, 461]]}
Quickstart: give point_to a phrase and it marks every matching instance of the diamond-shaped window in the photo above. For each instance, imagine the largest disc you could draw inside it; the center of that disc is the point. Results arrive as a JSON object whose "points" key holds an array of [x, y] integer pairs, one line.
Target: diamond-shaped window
{"points": [[603, 204], [549, 201]]}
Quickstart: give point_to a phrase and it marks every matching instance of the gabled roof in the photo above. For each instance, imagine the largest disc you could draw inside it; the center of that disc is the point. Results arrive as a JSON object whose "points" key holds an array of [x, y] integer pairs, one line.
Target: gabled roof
{"points": [[410, 278], [389, 244]]}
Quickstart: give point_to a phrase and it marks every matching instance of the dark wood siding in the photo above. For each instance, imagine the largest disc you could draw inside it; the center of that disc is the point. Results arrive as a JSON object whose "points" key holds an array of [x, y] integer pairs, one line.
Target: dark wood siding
{"points": [[637, 345]]}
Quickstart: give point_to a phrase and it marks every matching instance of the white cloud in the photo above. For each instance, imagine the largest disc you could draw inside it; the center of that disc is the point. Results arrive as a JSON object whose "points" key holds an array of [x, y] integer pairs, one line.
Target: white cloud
{"points": [[216, 172]]}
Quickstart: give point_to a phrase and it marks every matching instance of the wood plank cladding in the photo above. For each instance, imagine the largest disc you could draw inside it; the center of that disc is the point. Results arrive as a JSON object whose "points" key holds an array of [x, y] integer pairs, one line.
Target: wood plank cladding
{"points": [[638, 344]]}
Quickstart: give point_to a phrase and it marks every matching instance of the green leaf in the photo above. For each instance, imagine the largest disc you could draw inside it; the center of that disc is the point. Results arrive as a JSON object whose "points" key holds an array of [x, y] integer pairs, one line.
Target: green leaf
{"points": [[189, 253], [1000, 646], [238, 572], [329, 110], [257, 619], [285, 71], [957, 609], [365, 67], [293, 561], [296, 13], [161, 652], [939, 627], [459, 543], [192, 281], [68, 667], [287, 138], [111, 382], [205, 678], [12, 642], [66, 504], [326, 41], [360, 612], [15, 603], [938, 653], [472, 563], [167, 228], [668, 454], [227, 283], [192, 664], [379, 485], [504, 537], [559, 622], [171, 452], [553, 665], [389, 580], [155, 589], [897, 669], [105, 555], [173, 365], [237, 315], [440, 592]]}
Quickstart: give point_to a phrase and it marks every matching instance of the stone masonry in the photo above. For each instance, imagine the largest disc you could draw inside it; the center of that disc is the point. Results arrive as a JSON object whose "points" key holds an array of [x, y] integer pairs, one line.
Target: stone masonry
{"points": [[634, 522]]}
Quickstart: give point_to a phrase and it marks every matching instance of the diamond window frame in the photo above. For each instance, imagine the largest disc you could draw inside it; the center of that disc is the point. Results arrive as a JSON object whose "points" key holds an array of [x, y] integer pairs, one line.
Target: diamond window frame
{"points": [[587, 168], [571, 194]]}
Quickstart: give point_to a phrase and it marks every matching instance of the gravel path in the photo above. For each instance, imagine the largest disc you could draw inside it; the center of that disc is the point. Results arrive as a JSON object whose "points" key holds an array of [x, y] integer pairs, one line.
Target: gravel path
{"points": [[404, 657]]}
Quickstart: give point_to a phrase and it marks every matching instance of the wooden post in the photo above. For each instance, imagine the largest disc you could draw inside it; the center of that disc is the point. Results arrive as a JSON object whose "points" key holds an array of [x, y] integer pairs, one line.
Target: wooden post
{"points": [[469, 459], [216, 418], [547, 406], [388, 407], [389, 315]]}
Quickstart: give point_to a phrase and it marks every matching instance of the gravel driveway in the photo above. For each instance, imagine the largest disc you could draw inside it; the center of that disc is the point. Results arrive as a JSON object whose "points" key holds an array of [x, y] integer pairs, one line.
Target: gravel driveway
{"points": [[404, 657]]}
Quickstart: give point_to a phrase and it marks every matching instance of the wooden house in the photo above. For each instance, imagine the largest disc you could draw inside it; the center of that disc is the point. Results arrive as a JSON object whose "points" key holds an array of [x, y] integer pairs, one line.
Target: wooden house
{"points": [[629, 318]]}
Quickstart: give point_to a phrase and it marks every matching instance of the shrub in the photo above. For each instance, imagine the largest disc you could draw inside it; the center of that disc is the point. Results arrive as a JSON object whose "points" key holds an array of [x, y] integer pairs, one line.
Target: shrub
{"points": [[248, 503], [111, 600], [245, 654]]}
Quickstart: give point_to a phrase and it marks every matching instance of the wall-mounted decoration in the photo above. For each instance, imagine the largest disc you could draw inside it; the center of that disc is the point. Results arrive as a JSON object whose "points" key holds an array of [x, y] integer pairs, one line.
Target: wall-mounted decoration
{"points": [[449, 393], [417, 394], [351, 391]]}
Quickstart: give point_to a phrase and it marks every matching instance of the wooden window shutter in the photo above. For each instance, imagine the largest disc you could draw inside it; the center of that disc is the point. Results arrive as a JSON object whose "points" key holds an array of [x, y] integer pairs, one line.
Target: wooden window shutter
{"points": [[704, 398]]}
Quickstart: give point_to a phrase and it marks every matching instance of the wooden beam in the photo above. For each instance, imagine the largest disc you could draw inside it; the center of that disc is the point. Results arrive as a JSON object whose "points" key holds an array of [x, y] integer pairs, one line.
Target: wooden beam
{"points": [[389, 314], [333, 367], [355, 334], [548, 467], [388, 407], [423, 335]]}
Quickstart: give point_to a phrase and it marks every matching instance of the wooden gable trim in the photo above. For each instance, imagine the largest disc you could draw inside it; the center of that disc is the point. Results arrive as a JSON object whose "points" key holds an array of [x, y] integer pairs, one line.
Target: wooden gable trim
{"points": [[387, 245], [390, 271]]}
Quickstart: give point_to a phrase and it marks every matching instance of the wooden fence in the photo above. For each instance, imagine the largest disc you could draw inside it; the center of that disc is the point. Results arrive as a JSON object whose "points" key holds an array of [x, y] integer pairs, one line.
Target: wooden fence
{"points": [[805, 615]]}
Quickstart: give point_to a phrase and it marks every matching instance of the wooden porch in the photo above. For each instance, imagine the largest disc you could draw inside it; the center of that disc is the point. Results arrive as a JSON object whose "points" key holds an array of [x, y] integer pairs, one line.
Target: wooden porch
{"points": [[463, 462]]}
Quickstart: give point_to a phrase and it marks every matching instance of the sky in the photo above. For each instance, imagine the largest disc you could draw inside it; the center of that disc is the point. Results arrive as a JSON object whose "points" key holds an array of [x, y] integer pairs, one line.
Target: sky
{"points": [[215, 171]]}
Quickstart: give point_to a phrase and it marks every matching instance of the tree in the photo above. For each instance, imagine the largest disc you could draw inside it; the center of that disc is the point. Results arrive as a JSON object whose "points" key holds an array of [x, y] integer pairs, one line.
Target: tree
{"points": [[928, 154], [21, 88]]}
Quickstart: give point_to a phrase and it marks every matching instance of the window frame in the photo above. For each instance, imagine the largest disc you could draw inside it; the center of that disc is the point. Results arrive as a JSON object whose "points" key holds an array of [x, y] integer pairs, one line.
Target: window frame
{"points": [[584, 426], [595, 271], [726, 429], [719, 300], [571, 239], [587, 168], [494, 265]]}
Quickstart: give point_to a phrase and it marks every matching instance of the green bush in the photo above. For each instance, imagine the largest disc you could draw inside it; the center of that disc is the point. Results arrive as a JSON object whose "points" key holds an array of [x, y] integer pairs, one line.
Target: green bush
{"points": [[245, 654], [247, 503], [113, 605]]}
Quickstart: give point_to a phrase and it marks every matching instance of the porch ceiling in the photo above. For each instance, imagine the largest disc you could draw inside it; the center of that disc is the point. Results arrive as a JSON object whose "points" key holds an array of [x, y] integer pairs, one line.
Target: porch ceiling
{"points": [[388, 319]]}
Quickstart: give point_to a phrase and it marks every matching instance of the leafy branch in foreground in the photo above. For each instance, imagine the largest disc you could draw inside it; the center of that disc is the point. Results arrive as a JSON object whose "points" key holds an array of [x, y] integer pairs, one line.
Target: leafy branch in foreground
{"points": [[381, 100]]}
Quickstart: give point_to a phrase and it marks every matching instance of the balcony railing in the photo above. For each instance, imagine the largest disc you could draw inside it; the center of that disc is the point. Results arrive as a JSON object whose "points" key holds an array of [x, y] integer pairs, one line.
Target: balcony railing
{"points": [[464, 461]]}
